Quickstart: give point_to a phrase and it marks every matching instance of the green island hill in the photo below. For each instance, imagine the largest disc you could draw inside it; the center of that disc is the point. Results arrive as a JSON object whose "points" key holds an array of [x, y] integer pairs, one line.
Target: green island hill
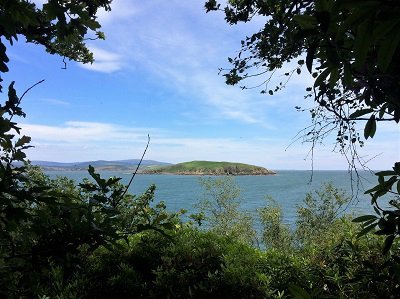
{"points": [[209, 168]]}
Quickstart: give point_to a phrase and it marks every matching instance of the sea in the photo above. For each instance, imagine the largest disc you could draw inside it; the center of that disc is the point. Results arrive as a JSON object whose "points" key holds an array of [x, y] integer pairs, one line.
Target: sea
{"points": [[287, 187]]}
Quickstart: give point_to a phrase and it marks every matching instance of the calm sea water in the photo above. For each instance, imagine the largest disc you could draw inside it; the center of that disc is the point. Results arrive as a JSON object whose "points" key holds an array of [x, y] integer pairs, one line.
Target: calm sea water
{"points": [[288, 188]]}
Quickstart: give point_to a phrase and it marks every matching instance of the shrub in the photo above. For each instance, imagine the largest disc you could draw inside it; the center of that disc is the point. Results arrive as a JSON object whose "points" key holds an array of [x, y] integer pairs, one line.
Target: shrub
{"points": [[221, 207]]}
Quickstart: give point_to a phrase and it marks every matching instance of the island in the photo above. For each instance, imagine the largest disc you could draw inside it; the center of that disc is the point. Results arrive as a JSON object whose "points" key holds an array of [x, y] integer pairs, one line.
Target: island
{"points": [[209, 168]]}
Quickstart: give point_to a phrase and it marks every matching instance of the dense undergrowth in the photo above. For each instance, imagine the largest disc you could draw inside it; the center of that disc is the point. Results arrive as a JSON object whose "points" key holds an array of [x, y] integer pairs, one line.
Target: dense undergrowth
{"points": [[152, 254]]}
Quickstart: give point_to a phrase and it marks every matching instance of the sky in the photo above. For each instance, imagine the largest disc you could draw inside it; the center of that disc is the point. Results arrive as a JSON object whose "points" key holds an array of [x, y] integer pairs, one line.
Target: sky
{"points": [[157, 73]]}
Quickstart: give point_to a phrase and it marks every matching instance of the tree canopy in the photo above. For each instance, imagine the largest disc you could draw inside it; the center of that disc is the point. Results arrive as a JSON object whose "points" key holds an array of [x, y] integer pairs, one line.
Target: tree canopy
{"points": [[351, 48], [62, 27]]}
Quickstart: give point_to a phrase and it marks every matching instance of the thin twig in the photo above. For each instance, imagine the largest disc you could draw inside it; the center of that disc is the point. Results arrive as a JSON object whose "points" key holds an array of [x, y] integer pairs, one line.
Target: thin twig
{"points": [[137, 168], [25, 92], [65, 64]]}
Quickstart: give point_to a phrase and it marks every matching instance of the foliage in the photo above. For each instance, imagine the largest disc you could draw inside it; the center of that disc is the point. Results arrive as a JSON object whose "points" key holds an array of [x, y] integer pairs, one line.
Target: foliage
{"points": [[319, 214], [194, 263], [335, 260], [387, 220], [210, 168], [47, 225], [190, 264], [221, 209], [351, 48], [60, 26], [275, 234]]}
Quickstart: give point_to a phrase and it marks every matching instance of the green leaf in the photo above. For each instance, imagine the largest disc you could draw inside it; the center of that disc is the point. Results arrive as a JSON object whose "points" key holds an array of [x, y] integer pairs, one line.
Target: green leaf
{"points": [[382, 111], [388, 243], [364, 218], [360, 112], [370, 127], [321, 78], [367, 229], [23, 140], [377, 211], [361, 43], [385, 173], [347, 75], [378, 194], [387, 49], [398, 187], [334, 77], [305, 22], [373, 189], [298, 292], [353, 18], [19, 156]]}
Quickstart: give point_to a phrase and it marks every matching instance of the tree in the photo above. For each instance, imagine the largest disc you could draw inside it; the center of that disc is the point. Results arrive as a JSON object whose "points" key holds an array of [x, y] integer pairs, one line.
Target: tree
{"points": [[220, 208], [48, 225], [352, 50], [60, 26]]}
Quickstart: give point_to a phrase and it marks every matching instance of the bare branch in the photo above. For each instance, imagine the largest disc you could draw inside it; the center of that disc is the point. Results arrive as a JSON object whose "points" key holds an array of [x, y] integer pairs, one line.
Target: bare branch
{"points": [[137, 168]]}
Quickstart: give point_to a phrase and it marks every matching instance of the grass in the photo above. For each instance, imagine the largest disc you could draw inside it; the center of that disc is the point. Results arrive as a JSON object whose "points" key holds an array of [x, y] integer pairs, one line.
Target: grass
{"points": [[210, 167]]}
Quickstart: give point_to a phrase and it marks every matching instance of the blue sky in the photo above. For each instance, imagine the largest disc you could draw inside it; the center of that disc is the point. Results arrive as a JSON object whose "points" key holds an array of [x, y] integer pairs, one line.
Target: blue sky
{"points": [[157, 74]]}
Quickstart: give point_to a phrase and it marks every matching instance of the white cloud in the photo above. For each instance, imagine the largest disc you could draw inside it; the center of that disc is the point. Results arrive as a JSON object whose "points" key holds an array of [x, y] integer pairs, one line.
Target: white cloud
{"points": [[185, 58], [56, 102], [120, 10], [80, 132], [78, 141], [105, 61]]}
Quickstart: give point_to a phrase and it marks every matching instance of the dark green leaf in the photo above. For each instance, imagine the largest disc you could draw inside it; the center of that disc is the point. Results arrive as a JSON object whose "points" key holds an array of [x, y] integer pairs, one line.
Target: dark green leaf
{"points": [[298, 292], [386, 173], [377, 211], [360, 112], [370, 127], [362, 43], [364, 218], [321, 78], [305, 22], [366, 229], [388, 243], [23, 140], [387, 49]]}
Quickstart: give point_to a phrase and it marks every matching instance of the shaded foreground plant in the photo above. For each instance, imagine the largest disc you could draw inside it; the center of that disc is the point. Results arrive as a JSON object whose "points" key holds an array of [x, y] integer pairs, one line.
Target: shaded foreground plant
{"points": [[47, 224]]}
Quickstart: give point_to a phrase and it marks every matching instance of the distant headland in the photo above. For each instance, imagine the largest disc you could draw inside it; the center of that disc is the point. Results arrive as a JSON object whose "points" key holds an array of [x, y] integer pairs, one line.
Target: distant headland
{"points": [[100, 165], [208, 168]]}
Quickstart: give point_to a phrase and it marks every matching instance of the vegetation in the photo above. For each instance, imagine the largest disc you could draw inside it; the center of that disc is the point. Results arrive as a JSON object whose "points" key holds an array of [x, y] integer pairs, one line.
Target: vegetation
{"points": [[211, 168], [352, 50], [62, 240], [220, 209], [62, 27]]}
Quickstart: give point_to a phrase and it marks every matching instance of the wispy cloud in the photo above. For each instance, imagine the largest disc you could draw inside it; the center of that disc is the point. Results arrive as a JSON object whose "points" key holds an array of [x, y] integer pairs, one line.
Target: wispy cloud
{"points": [[84, 132], [170, 47], [56, 102], [121, 9], [105, 61], [79, 141]]}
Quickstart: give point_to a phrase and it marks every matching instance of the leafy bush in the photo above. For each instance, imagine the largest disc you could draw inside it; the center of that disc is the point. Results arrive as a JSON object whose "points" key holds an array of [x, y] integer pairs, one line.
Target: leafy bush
{"points": [[275, 234], [220, 206]]}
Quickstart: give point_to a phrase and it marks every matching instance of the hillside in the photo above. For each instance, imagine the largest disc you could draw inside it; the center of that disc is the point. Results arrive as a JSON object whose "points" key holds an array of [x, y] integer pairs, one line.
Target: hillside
{"points": [[100, 165], [209, 168]]}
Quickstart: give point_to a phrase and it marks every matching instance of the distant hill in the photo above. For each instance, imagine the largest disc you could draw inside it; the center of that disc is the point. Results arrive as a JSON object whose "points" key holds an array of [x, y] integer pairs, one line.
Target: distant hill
{"points": [[118, 165], [209, 168]]}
